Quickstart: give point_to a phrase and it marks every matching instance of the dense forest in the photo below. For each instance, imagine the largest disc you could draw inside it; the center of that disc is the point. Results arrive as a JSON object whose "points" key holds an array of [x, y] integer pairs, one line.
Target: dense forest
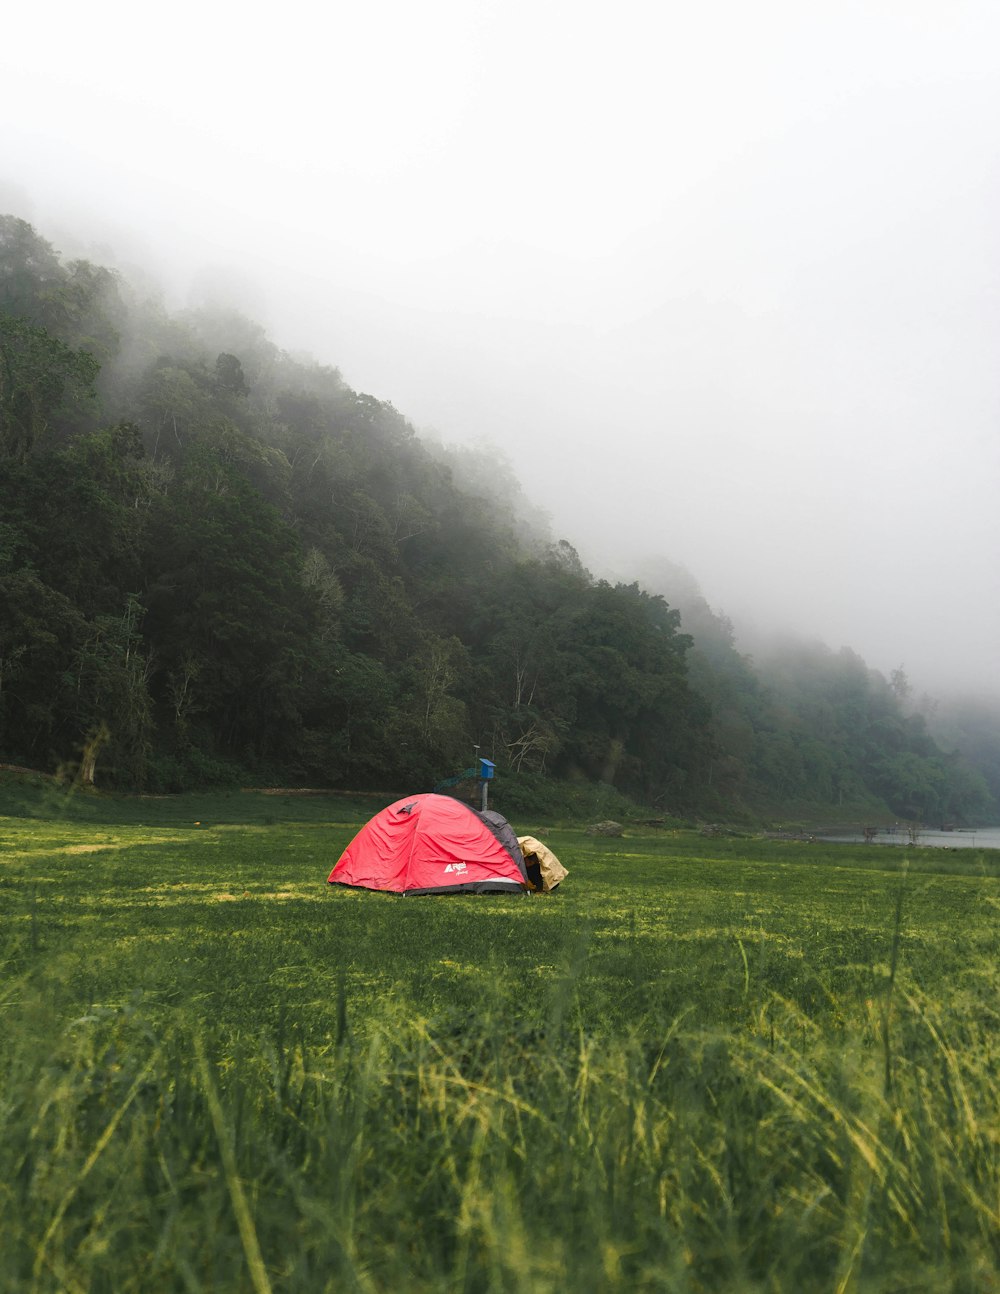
{"points": [[219, 563]]}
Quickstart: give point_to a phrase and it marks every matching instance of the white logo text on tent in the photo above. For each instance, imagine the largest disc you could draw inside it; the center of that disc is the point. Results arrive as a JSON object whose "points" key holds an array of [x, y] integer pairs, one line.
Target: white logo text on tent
{"points": [[455, 867]]}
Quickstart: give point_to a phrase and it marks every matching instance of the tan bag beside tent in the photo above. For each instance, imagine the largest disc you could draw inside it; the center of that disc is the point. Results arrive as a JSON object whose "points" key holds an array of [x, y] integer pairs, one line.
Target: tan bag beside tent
{"points": [[550, 869]]}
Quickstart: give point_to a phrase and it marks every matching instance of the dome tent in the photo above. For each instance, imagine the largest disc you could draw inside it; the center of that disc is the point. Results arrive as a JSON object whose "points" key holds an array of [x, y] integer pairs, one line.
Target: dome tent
{"points": [[432, 844]]}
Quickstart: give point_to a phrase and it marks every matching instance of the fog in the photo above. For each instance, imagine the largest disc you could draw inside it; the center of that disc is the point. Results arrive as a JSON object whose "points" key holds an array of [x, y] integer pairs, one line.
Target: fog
{"points": [[720, 280]]}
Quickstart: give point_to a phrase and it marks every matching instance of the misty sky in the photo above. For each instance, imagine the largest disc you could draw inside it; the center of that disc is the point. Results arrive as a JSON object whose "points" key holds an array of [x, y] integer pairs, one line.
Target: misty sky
{"points": [[720, 278]]}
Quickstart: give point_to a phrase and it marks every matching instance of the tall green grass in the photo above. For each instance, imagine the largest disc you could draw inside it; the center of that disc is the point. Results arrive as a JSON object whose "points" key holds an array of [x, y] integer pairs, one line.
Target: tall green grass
{"points": [[699, 1066]]}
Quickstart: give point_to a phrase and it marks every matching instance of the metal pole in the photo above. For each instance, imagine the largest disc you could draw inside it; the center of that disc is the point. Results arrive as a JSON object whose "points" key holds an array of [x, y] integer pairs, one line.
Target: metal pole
{"points": [[482, 781]]}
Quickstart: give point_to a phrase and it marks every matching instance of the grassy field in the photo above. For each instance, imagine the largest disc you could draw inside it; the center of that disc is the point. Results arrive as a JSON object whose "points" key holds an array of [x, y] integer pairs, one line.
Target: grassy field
{"points": [[704, 1064]]}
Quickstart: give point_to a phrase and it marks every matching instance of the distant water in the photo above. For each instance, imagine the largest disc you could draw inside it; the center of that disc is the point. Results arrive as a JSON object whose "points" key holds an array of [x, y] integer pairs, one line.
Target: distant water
{"points": [[960, 838]]}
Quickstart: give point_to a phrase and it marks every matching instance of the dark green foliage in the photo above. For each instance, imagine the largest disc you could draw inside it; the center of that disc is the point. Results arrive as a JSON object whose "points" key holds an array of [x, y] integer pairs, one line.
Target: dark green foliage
{"points": [[40, 379], [32, 277], [304, 588], [227, 610], [801, 724], [40, 629], [80, 514], [229, 565]]}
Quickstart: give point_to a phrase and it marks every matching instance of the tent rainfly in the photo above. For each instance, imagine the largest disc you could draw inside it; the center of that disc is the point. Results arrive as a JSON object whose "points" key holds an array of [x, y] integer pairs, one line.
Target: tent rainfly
{"points": [[432, 844]]}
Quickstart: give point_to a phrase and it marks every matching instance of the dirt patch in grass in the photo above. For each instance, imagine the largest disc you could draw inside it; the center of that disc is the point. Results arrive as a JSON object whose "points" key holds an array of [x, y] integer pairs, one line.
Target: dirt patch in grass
{"points": [[286, 790], [225, 897]]}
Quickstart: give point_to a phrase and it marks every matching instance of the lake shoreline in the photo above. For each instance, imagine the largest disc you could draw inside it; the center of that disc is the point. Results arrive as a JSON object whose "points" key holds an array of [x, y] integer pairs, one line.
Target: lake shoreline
{"points": [[924, 838]]}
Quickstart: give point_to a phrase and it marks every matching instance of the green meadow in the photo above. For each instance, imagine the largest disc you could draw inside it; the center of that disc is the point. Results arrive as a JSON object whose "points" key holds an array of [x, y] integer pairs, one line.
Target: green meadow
{"points": [[705, 1064]]}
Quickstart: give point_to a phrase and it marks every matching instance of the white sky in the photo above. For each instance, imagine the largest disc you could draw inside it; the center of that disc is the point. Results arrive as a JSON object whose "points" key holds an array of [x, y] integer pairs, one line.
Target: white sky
{"points": [[720, 278]]}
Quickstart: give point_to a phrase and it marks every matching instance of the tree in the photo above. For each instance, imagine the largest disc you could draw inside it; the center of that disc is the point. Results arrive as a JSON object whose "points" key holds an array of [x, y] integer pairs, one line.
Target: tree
{"points": [[441, 715], [227, 609], [40, 377], [81, 512], [170, 401], [109, 676], [900, 685], [31, 275], [229, 375], [39, 632]]}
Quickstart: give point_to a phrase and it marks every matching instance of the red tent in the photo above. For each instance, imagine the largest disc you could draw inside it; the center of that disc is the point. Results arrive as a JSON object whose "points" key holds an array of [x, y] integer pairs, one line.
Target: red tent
{"points": [[432, 844]]}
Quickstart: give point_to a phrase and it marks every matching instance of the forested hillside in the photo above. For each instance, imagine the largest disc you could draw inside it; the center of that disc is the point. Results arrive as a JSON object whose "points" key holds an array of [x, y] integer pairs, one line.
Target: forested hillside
{"points": [[220, 562]]}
